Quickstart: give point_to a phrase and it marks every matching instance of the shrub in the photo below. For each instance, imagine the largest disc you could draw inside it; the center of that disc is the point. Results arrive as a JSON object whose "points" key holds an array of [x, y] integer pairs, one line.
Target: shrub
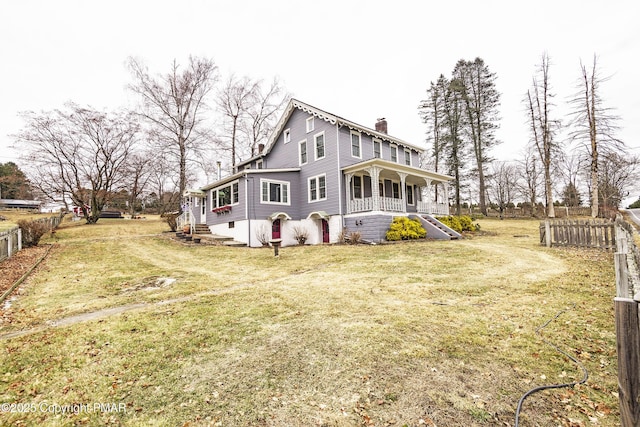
{"points": [[403, 228], [459, 223], [171, 218], [263, 234], [301, 234], [354, 237], [32, 231]]}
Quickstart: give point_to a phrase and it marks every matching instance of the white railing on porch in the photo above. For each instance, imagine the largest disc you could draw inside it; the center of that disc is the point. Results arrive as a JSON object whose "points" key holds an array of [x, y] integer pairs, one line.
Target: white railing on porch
{"points": [[389, 204], [433, 208]]}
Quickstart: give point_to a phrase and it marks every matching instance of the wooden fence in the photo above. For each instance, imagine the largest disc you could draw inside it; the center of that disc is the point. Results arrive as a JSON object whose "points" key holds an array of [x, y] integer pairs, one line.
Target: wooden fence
{"points": [[592, 233], [11, 240], [627, 262]]}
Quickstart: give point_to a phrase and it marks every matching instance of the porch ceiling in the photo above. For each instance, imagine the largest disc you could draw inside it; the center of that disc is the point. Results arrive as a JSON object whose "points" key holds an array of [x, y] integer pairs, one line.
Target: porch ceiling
{"points": [[390, 170]]}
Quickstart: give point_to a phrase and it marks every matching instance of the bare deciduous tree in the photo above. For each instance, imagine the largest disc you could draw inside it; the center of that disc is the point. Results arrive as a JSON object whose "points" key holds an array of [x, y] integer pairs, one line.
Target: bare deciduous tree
{"points": [[542, 125], [174, 106], [594, 126], [78, 152], [502, 184]]}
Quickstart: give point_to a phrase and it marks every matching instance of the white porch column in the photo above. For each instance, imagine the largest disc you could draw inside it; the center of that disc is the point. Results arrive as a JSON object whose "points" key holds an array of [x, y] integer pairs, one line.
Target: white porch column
{"points": [[403, 186], [347, 182], [446, 195], [374, 173]]}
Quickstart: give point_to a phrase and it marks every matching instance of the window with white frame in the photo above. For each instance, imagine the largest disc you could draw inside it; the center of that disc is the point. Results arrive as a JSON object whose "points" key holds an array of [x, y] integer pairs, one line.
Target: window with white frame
{"points": [[302, 148], [310, 125], [355, 144], [259, 164], [356, 187], [394, 153], [395, 189], [224, 196], [287, 136], [275, 192], [410, 194], [319, 143], [317, 188], [407, 157], [377, 149]]}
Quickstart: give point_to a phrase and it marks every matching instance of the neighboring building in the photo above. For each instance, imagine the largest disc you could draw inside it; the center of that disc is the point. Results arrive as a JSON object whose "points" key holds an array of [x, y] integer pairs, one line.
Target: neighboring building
{"points": [[20, 204], [322, 174]]}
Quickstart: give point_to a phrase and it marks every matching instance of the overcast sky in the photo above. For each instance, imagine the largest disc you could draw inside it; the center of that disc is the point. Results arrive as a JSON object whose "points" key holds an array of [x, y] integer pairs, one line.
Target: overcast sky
{"points": [[357, 59]]}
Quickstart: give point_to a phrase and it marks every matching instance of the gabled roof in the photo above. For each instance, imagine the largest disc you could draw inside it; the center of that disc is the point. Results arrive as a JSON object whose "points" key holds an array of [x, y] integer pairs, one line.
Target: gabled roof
{"points": [[328, 117]]}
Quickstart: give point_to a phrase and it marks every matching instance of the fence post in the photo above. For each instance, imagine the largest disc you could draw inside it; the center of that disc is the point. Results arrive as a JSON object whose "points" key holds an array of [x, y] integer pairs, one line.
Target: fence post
{"points": [[19, 239], [627, 333], [628, 342], [547, 232]]}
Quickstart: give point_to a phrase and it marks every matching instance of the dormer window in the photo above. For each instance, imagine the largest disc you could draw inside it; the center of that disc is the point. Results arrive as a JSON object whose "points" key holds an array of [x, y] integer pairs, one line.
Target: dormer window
{"points": [[310, 125]]}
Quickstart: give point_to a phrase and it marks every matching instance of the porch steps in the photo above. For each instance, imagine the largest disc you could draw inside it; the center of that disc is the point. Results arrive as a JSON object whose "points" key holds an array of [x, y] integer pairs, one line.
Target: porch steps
{"points": [[436, 229], [201, 229]]}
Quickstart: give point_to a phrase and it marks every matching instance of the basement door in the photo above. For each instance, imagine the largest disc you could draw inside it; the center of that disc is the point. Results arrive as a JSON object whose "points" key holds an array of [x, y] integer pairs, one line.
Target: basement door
{"points": [[325, 231], [275, 229]]}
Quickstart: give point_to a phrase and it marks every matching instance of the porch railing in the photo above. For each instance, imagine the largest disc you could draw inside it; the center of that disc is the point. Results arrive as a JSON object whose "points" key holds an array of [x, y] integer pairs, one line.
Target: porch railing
{"points": [[389, 204]]}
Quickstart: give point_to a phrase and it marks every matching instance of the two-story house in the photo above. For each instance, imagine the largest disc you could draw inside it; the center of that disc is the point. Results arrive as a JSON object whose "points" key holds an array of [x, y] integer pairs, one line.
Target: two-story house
{"points": [[325, 175]]}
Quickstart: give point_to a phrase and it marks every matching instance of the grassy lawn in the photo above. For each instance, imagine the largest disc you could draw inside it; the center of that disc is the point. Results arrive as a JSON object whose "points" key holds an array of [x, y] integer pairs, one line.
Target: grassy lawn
{"points": [[423, 333]]}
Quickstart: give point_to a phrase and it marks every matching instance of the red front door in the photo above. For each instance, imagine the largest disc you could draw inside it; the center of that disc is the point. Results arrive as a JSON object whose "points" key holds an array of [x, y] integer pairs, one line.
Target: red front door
{"points": [[275, 229], [325, 231]]}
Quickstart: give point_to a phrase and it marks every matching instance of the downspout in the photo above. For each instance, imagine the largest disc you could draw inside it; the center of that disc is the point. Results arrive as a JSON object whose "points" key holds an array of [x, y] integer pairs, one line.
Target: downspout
{"points": [[340, 180], [246, 207]]}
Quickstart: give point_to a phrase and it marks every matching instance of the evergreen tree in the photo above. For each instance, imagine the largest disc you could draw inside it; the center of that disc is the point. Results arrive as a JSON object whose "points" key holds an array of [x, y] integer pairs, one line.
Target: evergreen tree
{"points": [[14, 183]]}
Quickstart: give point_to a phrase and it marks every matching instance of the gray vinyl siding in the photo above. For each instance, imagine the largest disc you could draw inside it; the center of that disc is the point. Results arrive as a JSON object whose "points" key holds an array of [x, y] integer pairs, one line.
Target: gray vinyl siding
{"points": [[287, 155], [259, 210], [373, 227], [237, 211]]}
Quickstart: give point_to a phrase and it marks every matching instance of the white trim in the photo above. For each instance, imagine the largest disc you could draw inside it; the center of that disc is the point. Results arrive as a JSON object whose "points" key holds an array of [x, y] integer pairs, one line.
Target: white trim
{"points": [[359, 135], [310, 124], [286, 135], [315, 146], [317, 180], [273, 181], [259, 163]]}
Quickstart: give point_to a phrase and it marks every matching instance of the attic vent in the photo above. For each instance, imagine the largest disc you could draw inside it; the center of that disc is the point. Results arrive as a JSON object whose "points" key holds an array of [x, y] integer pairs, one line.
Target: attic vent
{"points": [[381, 125]]}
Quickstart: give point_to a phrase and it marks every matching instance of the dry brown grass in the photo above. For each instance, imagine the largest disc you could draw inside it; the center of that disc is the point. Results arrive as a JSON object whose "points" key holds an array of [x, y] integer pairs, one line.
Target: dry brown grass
{"points": [[423, 333]]}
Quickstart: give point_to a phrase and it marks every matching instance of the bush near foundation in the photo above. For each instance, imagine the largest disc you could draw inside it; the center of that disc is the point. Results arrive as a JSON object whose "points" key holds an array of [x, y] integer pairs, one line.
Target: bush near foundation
{"points": [[459, 223], [403, 228]]}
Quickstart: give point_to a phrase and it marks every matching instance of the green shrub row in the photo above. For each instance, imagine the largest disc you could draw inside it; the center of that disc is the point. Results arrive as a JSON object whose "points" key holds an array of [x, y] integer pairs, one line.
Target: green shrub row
{"points": [[403, 228]]}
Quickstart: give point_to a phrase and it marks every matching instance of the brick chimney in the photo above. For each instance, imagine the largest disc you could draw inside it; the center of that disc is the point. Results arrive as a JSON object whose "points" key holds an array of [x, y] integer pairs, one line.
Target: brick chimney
{"points": [[381, 125]]}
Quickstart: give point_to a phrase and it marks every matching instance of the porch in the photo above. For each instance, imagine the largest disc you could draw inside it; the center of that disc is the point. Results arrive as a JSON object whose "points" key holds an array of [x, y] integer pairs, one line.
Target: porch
{"points": [[379, 185]]}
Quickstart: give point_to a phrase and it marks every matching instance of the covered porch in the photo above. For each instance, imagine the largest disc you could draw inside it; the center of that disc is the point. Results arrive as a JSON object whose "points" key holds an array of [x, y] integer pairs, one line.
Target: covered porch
{"points": [[380, 185]]}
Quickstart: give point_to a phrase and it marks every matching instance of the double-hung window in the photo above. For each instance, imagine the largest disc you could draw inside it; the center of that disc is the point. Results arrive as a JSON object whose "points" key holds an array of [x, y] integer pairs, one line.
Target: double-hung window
{"points": [[275, 192], [376, 149], [357, 187], [319, 144], [317, 188], [410, 194], [355, 144], [407, 157], [394, 153], [303, 152]]}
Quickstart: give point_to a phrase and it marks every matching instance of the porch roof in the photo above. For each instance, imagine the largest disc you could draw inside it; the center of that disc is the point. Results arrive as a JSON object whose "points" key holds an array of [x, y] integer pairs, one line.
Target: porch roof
{"points": [[397, 167]]}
